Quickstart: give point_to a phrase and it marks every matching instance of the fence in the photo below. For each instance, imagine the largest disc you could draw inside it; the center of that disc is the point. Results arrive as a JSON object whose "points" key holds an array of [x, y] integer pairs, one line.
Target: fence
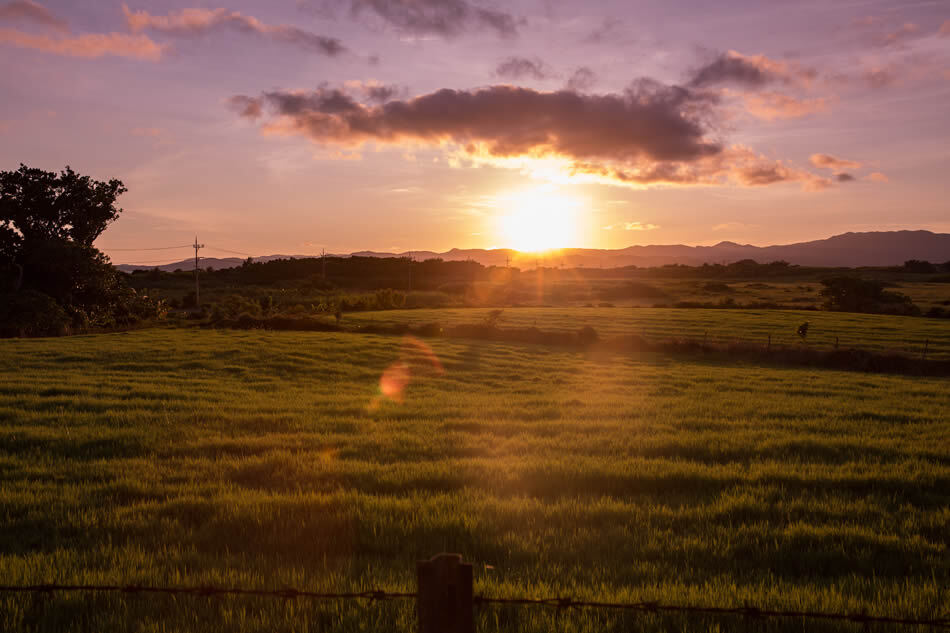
{"points": [[445, 600]]}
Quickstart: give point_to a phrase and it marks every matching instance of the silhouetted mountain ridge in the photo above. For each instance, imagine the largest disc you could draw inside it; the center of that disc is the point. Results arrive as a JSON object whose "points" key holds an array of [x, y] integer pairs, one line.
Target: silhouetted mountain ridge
{"points": [[882, 248]]}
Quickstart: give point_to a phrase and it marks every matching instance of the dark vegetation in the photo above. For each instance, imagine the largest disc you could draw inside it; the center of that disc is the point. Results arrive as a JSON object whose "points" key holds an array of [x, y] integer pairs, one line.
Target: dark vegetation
{"points": [[52, 279], [337, 285], [587, 339]]}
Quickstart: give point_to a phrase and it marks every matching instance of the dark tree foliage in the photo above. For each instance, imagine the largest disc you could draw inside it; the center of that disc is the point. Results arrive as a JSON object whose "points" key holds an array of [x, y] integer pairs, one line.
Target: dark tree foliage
{"points": [[40, 206], [919, 266], [48, 223], [852, 294]]}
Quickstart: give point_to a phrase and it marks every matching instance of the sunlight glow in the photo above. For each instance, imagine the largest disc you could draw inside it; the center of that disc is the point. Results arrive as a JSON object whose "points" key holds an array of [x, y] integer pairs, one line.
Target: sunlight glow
{"points": [[538, 219]]}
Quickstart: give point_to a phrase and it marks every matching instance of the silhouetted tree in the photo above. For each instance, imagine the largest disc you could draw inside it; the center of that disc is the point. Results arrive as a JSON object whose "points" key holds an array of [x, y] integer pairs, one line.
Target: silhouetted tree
{"points": [[919, 266], [851, 294], [48, 223]]}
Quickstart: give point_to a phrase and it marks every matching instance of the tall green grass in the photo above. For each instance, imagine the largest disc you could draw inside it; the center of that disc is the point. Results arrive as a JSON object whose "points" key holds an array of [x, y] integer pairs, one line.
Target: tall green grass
{"points": [[268, 459], [877, 333]]}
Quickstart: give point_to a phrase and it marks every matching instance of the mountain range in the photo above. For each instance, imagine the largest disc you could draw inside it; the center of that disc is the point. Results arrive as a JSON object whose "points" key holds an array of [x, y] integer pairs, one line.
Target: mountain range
{"points": [[881, 248]]}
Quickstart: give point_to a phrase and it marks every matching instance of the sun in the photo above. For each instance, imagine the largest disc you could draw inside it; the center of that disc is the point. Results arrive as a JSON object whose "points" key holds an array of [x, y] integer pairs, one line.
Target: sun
{"points": [[538, 219]]}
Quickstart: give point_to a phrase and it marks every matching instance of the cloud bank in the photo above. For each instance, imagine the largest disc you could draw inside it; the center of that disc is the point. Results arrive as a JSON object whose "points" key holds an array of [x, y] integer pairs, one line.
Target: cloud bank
{"points": [[649, 134]]}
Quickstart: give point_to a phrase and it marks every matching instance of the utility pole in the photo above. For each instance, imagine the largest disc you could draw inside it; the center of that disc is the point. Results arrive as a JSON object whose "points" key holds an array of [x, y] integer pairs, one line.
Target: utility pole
{"points": [[323, 260], [410, 272], [197, 295]]}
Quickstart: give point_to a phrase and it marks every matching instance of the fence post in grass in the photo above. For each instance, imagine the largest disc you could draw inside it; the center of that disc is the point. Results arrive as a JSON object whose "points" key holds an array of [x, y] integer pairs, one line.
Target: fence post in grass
{"points": [[704, 338], [768, 346], [444, 595], [923, 356], [836, 342]]}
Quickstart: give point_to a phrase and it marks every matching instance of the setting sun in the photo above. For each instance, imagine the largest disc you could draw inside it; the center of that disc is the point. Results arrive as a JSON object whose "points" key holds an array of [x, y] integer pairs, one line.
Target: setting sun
{"points": [[538, 219]]}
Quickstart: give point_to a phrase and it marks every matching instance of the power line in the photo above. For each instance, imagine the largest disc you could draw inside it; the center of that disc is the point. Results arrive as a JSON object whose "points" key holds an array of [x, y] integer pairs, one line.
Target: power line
{"points": [[154, 248], [224, 250]]}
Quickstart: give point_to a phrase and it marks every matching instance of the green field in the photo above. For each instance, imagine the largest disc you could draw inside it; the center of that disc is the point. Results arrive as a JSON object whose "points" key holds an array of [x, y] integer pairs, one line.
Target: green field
{"points": [[879, 333], [268, 459]]}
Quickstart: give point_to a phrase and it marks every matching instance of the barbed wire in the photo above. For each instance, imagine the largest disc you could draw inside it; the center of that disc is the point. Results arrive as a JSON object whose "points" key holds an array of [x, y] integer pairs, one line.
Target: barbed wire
{"points": [[745, 611], [287, 593], [560, 603]]}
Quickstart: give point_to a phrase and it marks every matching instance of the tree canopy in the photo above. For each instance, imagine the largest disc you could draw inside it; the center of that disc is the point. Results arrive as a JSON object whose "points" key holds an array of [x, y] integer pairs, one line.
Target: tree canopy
{"points": [[41, 206], [55, 280]]}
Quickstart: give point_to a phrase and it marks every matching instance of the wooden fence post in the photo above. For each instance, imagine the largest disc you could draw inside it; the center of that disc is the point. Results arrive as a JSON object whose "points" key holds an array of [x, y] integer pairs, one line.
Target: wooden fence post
{"points": [[768, 347], [924, 355], [444, 595]]}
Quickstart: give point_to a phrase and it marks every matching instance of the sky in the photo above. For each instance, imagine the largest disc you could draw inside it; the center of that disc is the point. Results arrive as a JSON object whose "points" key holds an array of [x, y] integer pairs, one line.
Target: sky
{"points": [[294, 126]]}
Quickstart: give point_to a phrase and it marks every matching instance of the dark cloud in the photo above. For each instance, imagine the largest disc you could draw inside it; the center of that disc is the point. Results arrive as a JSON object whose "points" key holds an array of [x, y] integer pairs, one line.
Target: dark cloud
{"points": [[199, 21], [752, 71], [374, 91], [582, 80], [521, 67], [649, 134], [730, 69], [844, 177], [445, 18], [649, 121], [29, 11]]}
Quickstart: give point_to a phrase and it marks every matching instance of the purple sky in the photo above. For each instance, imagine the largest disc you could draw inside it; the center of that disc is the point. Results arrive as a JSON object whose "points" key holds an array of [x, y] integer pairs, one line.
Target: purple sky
{"points": [[297, 125]]}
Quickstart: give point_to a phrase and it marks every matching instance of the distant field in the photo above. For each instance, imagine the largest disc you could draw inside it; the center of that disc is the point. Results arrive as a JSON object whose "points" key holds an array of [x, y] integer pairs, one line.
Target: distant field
{"points": [[873, 332], [265, 459]]}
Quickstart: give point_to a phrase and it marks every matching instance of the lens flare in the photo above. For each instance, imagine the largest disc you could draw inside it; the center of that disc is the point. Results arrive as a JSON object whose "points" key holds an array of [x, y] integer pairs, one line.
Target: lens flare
{"points": [[416, 360]]}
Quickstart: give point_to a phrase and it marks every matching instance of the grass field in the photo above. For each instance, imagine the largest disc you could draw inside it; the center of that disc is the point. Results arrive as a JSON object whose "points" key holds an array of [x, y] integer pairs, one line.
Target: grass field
{"points": [[268, 459], [871, 332]]}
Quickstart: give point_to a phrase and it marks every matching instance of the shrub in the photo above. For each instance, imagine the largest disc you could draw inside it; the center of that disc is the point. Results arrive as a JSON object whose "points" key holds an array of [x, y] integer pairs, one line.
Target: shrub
{"points": [[851, 294], [31, 313]]}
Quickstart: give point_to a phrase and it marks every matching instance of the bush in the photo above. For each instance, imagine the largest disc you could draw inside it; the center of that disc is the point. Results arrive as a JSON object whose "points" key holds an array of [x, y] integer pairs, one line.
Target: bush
{"points": [[851, 294], [587, 335], [633, 290], [31, 313]]}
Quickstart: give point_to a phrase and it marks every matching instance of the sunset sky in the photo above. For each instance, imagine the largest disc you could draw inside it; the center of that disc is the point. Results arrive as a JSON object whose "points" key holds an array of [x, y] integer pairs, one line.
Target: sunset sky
{"points": [[296, 125]]}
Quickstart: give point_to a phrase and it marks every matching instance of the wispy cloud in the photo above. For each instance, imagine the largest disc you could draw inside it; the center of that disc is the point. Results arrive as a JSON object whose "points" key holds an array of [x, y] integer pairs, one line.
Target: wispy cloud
{"points": [[442, 18], [90, 45], [754, 71], [523, 67], [582, 80], [631, 226], [29, 11], [878, 177], [199, 21], [775, 105], [827, 161]]}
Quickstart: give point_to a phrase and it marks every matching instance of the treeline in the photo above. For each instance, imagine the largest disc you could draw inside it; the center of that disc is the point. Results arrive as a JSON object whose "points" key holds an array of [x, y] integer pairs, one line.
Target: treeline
{"points": [[372, 273], [358, 273]]}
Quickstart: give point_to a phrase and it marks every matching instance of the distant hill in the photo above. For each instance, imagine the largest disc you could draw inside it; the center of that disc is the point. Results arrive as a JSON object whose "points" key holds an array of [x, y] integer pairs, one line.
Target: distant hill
{"points": [[884, 248]]}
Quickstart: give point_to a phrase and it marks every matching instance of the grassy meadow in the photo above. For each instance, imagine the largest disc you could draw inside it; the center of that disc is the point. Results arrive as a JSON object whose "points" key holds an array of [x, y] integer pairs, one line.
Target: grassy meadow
{"points": [[879, 333], [274, 459]]}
